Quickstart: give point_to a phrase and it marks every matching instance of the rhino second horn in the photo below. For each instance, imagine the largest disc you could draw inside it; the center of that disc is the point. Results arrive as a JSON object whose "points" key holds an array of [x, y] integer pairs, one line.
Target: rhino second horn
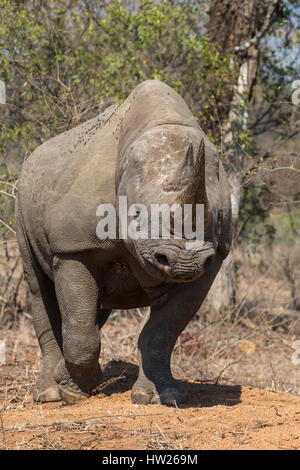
{"points": [[186, 168], [195, 191], [183, 173], [188, 162]]}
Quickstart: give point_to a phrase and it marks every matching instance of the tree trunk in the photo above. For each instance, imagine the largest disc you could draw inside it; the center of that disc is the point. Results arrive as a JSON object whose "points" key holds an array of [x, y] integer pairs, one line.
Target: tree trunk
{"points": [[237, 25]]}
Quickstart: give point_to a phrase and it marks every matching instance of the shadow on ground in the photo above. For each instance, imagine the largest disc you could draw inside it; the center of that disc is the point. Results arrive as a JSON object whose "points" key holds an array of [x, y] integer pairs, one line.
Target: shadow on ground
{"points": [[120, 376]]}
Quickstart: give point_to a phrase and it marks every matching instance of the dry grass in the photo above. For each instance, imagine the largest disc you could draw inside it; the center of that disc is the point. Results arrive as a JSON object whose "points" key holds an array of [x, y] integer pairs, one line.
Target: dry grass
{"points": [[14, 299], [206, 354], [251, 345]]}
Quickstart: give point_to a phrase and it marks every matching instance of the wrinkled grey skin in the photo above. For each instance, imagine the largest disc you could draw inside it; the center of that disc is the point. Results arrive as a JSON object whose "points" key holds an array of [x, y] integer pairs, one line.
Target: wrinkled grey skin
{"points": [[145, 149]]}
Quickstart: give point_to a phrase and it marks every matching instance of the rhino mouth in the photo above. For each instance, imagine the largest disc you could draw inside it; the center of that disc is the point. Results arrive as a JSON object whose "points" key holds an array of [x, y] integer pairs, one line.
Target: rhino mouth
{"points": [[175, 265]]}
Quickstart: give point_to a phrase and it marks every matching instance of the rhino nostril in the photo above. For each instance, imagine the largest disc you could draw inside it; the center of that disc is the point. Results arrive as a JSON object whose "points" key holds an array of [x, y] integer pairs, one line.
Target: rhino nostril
{"points": [[162, 259], [209, 261]]}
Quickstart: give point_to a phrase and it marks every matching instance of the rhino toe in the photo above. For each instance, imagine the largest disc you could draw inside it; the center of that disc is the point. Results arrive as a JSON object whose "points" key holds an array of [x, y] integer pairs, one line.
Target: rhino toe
{"points": [[139, 397], [169, 396], [70, 397], [47, 395]]}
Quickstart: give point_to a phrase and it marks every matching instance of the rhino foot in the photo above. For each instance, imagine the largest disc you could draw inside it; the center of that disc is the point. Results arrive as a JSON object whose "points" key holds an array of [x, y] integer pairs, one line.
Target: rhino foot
{"points": [[46, 390], [70, 392], [170, 395], [71, 397], [86, 383]]}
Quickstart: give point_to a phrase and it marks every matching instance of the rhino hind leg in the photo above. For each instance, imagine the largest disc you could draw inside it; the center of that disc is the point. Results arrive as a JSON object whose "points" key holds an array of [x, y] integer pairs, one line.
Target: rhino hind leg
{"points": [[46, 321]]}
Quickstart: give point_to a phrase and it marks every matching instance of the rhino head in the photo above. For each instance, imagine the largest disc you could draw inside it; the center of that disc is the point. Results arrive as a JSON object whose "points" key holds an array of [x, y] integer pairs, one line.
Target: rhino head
{"points": [[167, 165]]}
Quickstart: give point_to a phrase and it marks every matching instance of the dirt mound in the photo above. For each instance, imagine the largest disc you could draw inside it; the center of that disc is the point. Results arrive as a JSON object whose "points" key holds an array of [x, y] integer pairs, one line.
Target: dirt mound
{"points": [[214, 417]]}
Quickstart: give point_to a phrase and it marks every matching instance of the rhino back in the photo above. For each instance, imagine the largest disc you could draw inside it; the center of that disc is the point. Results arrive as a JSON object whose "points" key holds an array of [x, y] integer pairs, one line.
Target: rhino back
{"points": [[61, 184]]}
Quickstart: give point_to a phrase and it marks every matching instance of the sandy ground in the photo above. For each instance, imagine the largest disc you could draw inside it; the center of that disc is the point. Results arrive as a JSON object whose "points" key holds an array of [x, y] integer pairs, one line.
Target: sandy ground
{"points": [[236, 401], [214, 417]]}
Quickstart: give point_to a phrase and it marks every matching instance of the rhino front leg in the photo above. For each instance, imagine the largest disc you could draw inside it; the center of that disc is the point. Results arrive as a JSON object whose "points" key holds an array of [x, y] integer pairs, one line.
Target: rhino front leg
{"points": [[79, 373], [155, 383]]}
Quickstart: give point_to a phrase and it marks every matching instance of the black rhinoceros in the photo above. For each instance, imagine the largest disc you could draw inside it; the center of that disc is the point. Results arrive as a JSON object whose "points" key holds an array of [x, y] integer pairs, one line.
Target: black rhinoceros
{"points": [[143, 149]]}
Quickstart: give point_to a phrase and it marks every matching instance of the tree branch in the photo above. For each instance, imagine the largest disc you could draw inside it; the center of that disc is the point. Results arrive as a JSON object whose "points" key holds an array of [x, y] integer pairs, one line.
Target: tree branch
{"points": [[267, 24]]}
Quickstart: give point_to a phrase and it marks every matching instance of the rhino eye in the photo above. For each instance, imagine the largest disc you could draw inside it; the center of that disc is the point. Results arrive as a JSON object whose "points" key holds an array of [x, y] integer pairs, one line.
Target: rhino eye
{"points": [[219, 217], [137, 214]]}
